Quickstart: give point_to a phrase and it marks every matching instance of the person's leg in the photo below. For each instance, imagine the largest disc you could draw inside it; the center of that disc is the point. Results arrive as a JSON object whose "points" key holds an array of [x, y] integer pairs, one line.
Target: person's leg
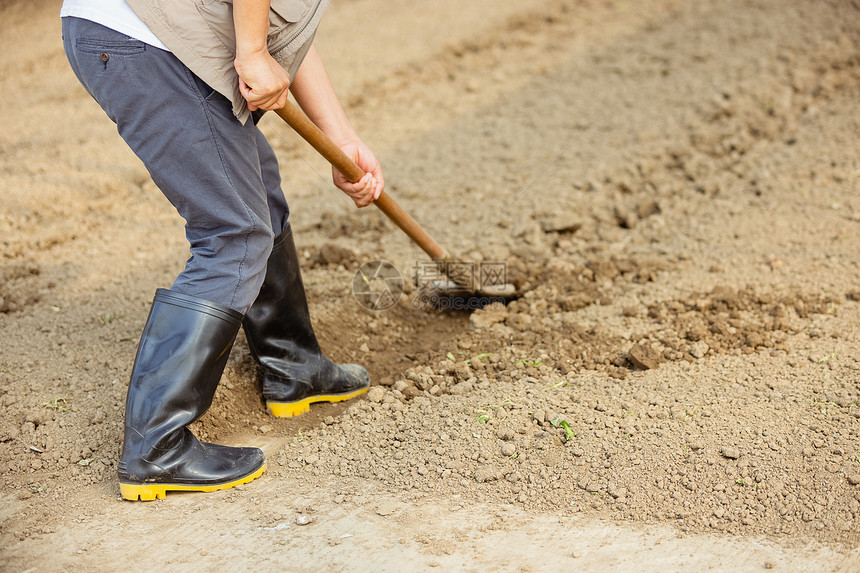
{"points": [[181, 356], [281, 338], [202, 159], [206, 164]]}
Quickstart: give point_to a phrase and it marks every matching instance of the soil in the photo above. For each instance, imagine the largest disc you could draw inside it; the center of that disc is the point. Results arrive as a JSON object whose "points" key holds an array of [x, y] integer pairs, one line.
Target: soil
{"points": [[672, 187]]}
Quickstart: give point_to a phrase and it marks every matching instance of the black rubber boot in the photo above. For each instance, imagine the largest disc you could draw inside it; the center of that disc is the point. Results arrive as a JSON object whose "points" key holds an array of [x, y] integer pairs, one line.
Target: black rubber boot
{"points": [[281, 338], [180, 359]]}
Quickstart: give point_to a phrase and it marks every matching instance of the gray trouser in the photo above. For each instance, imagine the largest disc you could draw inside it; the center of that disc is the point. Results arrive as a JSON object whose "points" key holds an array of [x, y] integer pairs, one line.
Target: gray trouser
{"points": [[221, 176]]}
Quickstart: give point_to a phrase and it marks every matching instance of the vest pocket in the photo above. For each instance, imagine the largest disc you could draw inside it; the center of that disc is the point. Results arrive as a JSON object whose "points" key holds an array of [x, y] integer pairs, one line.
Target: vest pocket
{"points": [[218, 15], [292, 20], [284, 12]]}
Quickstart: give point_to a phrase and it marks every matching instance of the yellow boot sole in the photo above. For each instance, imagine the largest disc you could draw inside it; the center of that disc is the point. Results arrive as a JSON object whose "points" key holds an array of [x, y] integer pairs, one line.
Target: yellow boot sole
{"points": [[153, 491], [290, 409]]}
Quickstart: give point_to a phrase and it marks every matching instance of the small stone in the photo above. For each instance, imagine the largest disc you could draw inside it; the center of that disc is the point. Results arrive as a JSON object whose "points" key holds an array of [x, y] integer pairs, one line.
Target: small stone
{"points": [[488, 316], [411, 392], [561, 223], [699, 349], [302, 519], [508, 449], [376, 394], [486, 473], [400, 385], [331, 254], [539, 416], [264, 429], [577, 554], [505, 434], [462, 388], [618, 493], [731, 452], [643, 357], [854, 479], [386, 508]]}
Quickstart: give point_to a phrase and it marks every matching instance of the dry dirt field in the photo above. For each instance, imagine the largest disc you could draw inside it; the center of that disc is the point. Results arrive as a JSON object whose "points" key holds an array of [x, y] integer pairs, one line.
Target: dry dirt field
{"points": [[673, 185]]}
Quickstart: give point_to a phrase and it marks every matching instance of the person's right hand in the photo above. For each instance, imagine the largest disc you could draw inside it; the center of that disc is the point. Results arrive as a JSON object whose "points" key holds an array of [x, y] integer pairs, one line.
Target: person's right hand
{"points": [[262, 81]]}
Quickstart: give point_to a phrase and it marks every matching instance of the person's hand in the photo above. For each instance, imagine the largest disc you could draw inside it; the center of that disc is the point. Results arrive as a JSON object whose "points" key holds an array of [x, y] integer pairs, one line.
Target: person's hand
{"points": [[368, 188], [262, 81]]}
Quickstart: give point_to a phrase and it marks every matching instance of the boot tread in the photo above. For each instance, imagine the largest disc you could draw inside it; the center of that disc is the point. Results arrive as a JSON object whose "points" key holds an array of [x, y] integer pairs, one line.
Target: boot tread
{"points": [[290, 409], [153, 491]]}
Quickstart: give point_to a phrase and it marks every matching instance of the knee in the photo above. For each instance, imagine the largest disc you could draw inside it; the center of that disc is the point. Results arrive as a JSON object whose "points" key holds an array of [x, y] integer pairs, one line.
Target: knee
{"points": [[237, 256], [258, 248]]}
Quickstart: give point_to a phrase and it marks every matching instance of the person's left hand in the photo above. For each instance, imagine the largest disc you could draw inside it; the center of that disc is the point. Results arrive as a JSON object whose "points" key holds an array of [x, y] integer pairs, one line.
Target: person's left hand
{"points": [[369, 187]]}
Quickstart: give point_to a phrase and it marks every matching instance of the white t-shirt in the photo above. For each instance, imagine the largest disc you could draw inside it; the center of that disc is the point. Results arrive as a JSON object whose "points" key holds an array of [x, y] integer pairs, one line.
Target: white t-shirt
{"points": [[113, 14]]}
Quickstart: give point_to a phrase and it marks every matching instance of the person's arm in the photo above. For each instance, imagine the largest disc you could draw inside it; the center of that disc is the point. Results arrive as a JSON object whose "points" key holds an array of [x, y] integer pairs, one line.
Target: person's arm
{"points": [[262, 81], [314, 93]]}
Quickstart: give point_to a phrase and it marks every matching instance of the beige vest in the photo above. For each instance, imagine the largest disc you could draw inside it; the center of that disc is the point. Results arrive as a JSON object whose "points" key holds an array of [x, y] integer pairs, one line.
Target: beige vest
{"points": [[201, 34]]}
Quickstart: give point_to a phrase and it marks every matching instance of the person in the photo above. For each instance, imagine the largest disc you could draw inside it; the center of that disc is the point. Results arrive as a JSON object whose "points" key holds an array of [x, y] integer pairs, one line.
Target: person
{"points": [[186, 82]]}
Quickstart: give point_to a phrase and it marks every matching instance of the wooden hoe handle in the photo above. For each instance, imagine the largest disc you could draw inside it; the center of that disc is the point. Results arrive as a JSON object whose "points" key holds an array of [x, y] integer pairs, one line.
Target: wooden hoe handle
{"points": [[339, 160]]}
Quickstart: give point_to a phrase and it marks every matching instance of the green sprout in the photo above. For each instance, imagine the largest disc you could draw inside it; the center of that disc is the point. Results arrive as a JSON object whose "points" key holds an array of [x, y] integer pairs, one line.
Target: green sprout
{"points": [[479, 357], [824, 359], [61, 404], [528, 363], [486, 413], [451, 357], [568, 431], [300, 438]]}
